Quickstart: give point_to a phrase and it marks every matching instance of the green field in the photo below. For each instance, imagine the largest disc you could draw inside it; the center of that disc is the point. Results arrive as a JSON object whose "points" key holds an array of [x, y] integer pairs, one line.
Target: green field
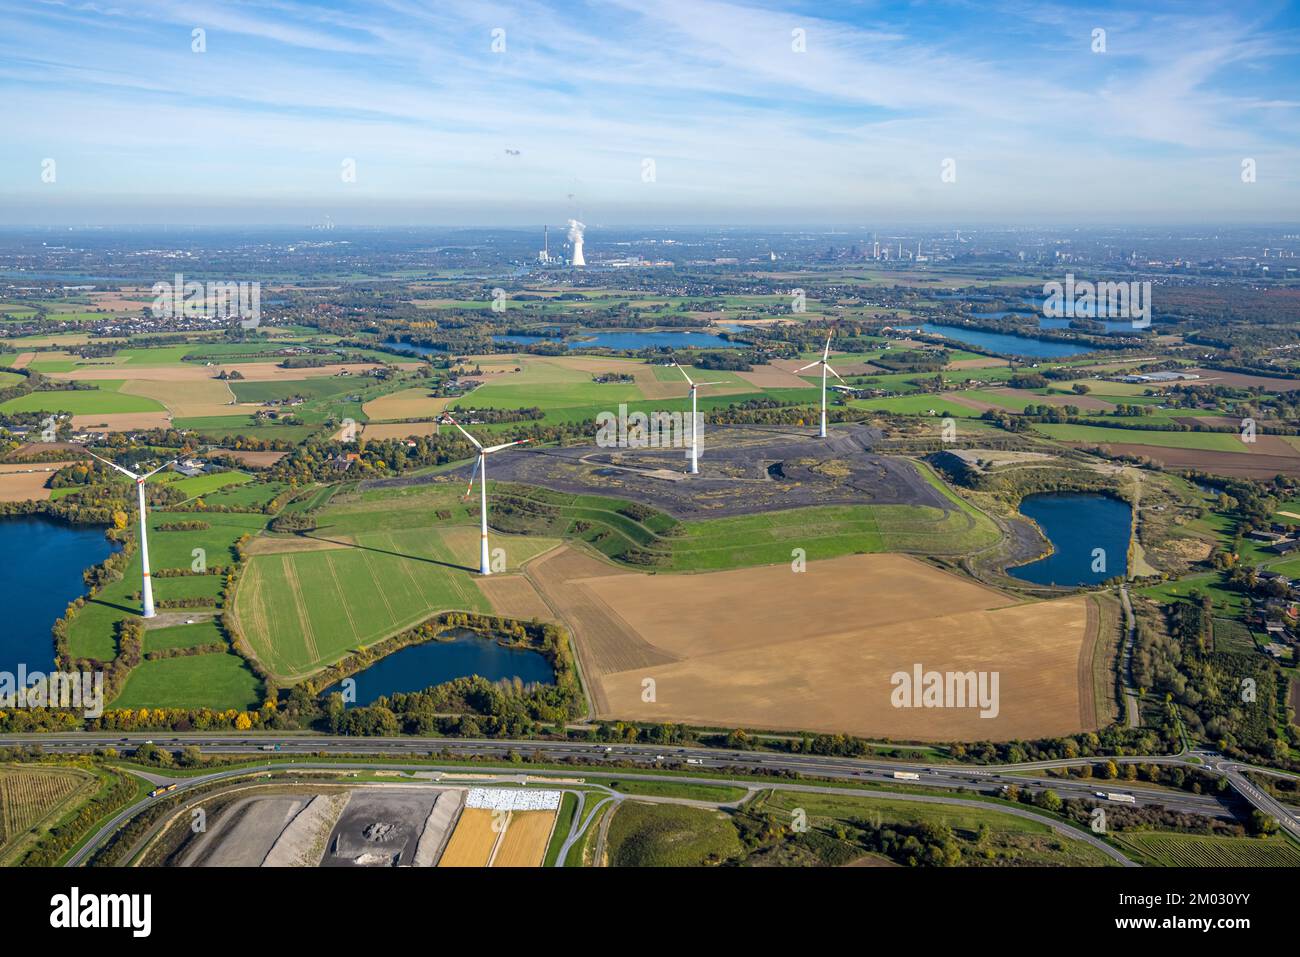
{"points": [[568, 806], [100, 401], [1100, 435], [393, 565], [182, 636], [918, 405], [92, 633], [197, 681], [670, 835], [319, 387], [1009, 840], [203, 485], [662, 543], [665, 787]]}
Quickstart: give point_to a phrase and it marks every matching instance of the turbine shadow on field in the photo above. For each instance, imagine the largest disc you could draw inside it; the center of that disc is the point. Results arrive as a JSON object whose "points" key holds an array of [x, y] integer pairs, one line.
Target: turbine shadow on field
{"points": [[129, 609], [385, 551]]}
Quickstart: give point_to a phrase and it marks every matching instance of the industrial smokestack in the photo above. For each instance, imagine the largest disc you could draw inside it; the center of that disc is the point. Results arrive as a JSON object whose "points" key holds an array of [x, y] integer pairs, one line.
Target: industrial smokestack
{"points": [[575, 236]]}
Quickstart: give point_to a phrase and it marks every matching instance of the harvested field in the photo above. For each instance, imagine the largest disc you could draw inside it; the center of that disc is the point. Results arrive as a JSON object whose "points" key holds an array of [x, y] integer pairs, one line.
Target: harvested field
{"points": [[33, 449], [378, 431], [1242, 381], [642, 373], [29, 795], [473, 841], [189, 399], [407, 404], [979, 405], [22, 359], [983, 362], [23, 482], [779, 375], [121, 422], [755, 656], [252, 459], [281, 545], [603, 641], [525, 839], [1237, 464], [1033, 398], [514, 596]]}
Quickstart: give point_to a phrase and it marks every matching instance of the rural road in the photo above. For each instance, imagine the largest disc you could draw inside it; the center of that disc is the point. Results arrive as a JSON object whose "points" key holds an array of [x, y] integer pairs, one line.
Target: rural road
{"points": [[1132, 713]]}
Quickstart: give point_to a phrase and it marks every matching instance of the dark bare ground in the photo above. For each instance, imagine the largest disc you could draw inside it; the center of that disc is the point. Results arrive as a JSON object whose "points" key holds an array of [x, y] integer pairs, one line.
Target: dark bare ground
{"points": [[743, 470]]}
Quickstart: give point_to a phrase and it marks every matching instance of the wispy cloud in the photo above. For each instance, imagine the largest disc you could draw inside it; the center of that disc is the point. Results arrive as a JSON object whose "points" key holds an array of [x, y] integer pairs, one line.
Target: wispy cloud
{"points": [[739, 121]]}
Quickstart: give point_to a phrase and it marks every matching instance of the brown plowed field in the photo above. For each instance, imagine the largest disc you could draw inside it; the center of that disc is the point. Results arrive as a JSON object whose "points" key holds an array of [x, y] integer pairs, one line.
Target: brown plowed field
{"points": [[604, 642], [19, 482], [1238, 464], [1033, 398], [121, 422], [513, 596], [765, 648]]}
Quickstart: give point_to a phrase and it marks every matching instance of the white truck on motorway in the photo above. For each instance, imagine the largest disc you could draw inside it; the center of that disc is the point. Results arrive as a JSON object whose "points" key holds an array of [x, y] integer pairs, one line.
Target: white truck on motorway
{"points": [[907, 775], [1111, 796]]}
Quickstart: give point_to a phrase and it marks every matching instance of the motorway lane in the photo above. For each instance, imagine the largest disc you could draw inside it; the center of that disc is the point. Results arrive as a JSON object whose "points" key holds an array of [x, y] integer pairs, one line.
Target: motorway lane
{"points": [[946, 776], [985, 779]]}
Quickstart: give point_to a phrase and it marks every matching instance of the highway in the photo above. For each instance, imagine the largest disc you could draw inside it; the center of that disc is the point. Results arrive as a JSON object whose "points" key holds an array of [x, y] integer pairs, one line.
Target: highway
{"points": [[709, 763], [711, 759]]}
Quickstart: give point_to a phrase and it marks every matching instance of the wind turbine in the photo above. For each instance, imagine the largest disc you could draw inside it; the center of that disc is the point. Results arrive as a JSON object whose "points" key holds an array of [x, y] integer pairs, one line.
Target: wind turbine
{"points": [[826, 367], [695, 418], [146, 591], [480, 469]]}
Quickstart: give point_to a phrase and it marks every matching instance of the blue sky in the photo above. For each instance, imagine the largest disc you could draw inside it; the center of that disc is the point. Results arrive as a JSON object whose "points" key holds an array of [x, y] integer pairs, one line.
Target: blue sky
{"points": [[740, 126]]}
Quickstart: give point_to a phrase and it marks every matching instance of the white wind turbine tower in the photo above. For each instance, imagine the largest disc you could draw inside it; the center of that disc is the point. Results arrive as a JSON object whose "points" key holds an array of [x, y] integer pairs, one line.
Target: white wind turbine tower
{"points": [[146, 590], [826, 367], [695, 419], [480, 470]]}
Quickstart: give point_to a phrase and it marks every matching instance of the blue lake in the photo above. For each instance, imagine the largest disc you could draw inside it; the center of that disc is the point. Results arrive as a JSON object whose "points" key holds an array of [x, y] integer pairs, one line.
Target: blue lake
{"points": [[1007, 344], [686, 339], [42, 561], [417, 667], [1077, 524]]}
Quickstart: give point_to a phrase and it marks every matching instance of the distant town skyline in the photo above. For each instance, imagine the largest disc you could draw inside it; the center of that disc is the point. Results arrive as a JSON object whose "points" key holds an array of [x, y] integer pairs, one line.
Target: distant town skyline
{"points": [[677, 112]]}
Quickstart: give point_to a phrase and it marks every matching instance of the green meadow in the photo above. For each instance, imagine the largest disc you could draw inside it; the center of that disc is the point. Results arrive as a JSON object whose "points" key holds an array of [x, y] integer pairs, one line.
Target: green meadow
{"points": [[1210, 441]]}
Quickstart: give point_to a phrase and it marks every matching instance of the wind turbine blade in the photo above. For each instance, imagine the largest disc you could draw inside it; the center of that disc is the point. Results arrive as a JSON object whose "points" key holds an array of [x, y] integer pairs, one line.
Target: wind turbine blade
{"points": [[809, 366], [127, 472], [834, 373], [683, 372], [472, 475], [467, 435], [716, 382], [826, 353], [498, 448], [158, 469]]}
